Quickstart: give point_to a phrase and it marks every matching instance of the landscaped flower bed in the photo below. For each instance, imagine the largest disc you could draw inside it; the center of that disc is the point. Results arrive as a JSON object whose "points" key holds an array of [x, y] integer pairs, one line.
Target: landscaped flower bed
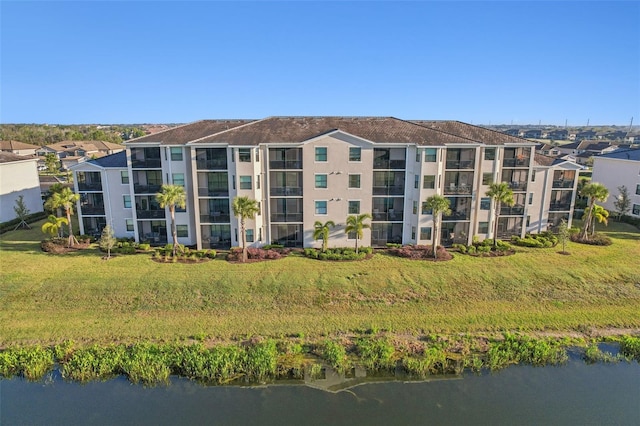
{"points": [[420, 252], [256, 254], [340, 253], [485, 248], [542, 240]]}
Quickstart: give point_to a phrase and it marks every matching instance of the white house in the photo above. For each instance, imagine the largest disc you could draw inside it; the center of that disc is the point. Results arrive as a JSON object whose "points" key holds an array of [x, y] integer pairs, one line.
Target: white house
{"points": [[18, 176], [616, 169]]}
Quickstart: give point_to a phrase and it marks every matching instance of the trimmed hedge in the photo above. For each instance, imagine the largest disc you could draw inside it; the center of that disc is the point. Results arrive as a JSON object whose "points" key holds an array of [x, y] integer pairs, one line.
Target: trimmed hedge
{"points": [[10, 225], [544, 239], [340, 253]]}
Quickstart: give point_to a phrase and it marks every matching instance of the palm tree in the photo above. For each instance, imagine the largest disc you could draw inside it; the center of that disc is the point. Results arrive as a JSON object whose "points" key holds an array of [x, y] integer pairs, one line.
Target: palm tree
{"points": [[601, 215], [356, 224], [172, 196], [321, 230], [244, 208], [595, 192], [438, 205], [500, 194], [53, 225], [65, 199]]}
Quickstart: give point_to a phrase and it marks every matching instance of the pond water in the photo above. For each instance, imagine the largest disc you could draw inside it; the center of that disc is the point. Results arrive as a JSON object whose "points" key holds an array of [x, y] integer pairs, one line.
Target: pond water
{"points": [[572, 394]]}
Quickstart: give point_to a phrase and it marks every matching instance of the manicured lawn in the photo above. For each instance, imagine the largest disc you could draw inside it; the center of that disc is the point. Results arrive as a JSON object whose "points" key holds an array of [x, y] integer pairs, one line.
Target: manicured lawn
{"points": [[47, 299]]}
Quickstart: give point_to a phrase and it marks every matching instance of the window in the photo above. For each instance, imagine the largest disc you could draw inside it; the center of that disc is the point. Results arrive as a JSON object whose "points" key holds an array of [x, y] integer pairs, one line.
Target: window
{"points": [[415, 207], [129, 224], [485, 203], [124, 177], [354, 181], [249, 235], [636, 210], [245, 182], [178, 179], [321, 154], [425, 233], [354, 207], [258, 160], [233, 182], [425, 209], [638, 189], [418, 155], [351, 235], [176, 153], [483, 227], [430, 155], [531, 198], [244, 155], [528, 221], [321, 207], [429, 182], [416, 182], [533, 176], [489, 153], [487, 178], [355, 154], [257, 181], [182, 230], [127, 201], [413, 232], [321, 181]]}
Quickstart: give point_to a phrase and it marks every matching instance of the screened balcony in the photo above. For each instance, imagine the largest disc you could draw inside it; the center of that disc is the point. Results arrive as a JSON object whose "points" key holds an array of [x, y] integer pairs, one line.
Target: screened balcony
{"points": [[460, 209], [89, 181], [560, 200], [516, 157], [213, 184], [460, 158], [289, 235], [147, 181], [216, 236], [509, 226], [564, 178], [389, 158], [388, 183], [215, 211], [383, 233], [285, 158], [92, 204], [211, 158], [517, 209], [388, 209], [517, 179], [287, 184], [458, 183], [286, 210], [147, 207], [153, 231], [146, 158]]}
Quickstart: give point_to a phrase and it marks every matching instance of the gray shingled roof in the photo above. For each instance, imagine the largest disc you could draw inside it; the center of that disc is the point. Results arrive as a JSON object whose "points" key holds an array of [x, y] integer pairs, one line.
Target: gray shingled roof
{"points": [[117, 160], [623, 154], [189, 132], [300, 129], [8, 157]]}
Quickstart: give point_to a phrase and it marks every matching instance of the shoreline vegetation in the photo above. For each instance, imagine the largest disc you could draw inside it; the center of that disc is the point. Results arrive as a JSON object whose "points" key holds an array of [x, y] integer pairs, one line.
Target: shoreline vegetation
{"points": [[132, 307]]}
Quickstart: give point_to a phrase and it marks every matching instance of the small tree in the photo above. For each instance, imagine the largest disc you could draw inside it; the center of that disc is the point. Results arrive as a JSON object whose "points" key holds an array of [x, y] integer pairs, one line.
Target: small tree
{"points": [[108, 240], [563, 234], [51, 162], [438, 205], [21, 212], [244, 208], [172, 196], [601, 215], [356, 224], [594, 192], [622, 204], [65, 199], [53, 225], [500, 194], [321, 230]]}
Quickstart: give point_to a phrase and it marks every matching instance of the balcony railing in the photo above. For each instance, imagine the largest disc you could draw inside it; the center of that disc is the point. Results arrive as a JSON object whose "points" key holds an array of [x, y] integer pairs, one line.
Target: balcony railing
{"points": [[453, 189], [561, 183], [560, 206], [150, 163], [146, 189], [506, 234], [388, 216], [388, 190], [211, 164], [287, 191], [285, 165], [215, 218], [213, 192], [92, 209], [515, 162], [457, 215], [389, 164], [286, 217], [459, 164], [89, 186], [518, 186], [516, 210], [150, 214]]}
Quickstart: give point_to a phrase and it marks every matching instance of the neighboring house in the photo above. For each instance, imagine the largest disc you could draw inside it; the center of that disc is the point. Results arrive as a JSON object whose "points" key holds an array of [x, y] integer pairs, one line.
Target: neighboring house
{"points": [[74, 152], [18, 176], [616, 169], [585, 149], [18, 148], [307, 169], [546, 149], [531, 134], [633, 138], [612, 135], [512, 132], [559, 134], [586, 135], [47, 181]]}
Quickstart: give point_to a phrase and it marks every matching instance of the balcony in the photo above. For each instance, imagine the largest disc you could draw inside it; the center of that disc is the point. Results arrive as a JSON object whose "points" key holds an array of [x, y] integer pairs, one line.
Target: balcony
{"points": [[146, 189], [92, 209], [518, 186], [287, 191], [517, 210], [213, 192], [560, 207], [218, 164], [150, 214], [457, 215], [389, 164], [562, 183], [285, 164], [89, 186], [388, 190], [286, 217], [391, 215], [215, 217], [453, 189], [508, 233], [459, 164], [515, 162], [149, 163]]}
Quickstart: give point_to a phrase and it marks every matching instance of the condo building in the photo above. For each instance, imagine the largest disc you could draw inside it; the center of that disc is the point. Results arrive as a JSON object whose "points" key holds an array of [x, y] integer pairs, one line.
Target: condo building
{"points": [[306, 169]]}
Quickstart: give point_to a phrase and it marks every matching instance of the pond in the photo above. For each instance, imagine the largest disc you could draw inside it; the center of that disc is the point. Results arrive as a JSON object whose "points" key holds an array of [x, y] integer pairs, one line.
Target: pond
{"points": [[575, 393]]}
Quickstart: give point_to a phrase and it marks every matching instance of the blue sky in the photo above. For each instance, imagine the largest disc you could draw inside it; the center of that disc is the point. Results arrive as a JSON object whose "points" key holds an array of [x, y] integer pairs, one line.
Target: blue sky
{"points": [[170, 62]]}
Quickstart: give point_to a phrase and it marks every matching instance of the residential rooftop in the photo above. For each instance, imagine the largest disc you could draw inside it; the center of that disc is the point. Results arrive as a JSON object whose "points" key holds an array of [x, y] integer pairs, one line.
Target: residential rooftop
{"points": [[623, 154]]}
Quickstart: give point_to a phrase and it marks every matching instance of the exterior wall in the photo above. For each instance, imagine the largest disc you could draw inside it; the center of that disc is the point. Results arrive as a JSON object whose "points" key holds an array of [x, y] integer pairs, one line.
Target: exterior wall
{"points": [[19, 178], [614, 172], [116, 213]]}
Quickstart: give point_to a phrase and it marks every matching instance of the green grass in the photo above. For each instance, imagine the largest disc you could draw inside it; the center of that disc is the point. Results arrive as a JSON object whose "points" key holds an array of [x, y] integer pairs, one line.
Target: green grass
{"points": [[46, 299]]}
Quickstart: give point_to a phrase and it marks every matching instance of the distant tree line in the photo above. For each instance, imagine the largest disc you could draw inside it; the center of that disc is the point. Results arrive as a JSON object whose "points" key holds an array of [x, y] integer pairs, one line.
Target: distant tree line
{"points": [[43, 134]]}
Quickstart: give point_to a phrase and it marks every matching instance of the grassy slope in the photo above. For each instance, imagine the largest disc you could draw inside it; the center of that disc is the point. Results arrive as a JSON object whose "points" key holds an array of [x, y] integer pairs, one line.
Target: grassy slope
{"points": [[46, 298]]}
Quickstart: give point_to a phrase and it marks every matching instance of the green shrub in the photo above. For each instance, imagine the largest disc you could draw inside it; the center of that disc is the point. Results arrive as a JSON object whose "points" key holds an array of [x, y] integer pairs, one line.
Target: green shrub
{"points": [[460, 247], [335, 355], [394, 245], [144, 246], [376, 353], [433, 361], [31, 363], [630, 347], [261, 361]]}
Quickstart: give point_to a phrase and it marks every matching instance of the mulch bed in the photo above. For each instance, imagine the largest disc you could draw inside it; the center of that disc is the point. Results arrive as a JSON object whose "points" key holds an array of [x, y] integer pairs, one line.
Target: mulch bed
{"points": [[59, 246], [421, 253]]}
